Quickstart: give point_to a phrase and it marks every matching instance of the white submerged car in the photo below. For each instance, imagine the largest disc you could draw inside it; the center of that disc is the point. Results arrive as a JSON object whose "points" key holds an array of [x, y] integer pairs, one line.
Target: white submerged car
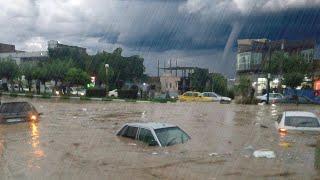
{"points": [[298, 121], [273, 97], [154, 134], [216, 97]]}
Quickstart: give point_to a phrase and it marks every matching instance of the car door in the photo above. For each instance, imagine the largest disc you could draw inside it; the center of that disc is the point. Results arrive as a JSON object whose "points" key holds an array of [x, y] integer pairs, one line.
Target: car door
{"points": [[129, 132]]}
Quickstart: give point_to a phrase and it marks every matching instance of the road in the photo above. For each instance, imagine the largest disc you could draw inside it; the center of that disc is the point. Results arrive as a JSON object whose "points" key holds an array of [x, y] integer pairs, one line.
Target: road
{"points": [[75, 140]]}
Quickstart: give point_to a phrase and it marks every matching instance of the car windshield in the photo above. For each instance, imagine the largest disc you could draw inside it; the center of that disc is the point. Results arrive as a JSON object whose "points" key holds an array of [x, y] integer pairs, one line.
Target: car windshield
{"points": [[15, 108], [171, 136], [300, 121]]}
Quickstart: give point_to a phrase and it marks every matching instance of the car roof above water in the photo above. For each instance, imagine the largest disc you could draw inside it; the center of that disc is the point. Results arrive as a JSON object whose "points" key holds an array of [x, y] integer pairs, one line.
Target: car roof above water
{"points": [[152, 125], [299, 113]]}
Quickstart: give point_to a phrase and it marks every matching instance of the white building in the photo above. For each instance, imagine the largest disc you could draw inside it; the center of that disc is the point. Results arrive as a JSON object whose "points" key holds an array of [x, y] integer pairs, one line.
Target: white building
{"points": [[169, 83], [21, 57]]}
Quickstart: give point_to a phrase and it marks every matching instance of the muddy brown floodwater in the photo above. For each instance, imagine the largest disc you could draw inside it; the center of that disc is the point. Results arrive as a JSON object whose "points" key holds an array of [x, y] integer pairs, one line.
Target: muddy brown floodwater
{"points": [[76, 140]]}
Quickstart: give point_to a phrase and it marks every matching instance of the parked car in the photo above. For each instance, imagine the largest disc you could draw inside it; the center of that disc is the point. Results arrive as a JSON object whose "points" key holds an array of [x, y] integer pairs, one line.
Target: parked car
{"points": [[171, 95], [273, 97], [194, 96], [216, 97], [13, 112], [154, 134], [297, 121], [78, 91], [113, 93]]}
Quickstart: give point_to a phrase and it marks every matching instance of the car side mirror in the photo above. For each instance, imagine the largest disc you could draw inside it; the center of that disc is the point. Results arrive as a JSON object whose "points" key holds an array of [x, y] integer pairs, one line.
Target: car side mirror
{"points": [[153, 143]]}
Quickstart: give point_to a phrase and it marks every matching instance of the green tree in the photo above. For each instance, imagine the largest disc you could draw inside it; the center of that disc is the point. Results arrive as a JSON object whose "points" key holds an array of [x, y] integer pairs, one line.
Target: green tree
{"points": [[77, 77], [41, 73], [57, 70], [9, 70], [218, 84], [199, 79], [244, 86], [27, 69]]}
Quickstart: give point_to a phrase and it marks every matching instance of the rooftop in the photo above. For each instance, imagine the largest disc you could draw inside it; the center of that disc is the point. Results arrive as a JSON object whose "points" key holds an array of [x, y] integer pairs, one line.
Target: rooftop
{"points": [[300, 113], [152, 125]]}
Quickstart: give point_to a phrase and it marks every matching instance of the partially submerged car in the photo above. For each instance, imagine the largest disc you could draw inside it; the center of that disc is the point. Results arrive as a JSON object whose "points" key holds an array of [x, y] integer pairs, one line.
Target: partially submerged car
{"points": [[14, 112], [194, 97], [216, 97], [297, 121], [273, 97], [154, 134]]}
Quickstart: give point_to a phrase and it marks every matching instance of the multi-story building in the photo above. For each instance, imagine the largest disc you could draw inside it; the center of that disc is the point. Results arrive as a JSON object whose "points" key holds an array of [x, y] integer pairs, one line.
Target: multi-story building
{"points": [[254, 53], [9, 52], [6, 48], [53, 44]]}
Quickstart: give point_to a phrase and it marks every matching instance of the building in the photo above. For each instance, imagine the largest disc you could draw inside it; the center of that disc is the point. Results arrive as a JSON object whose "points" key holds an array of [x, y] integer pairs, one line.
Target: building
{"points": [[53, 44], [9, 52], [169, 83], [6, 48], [254, 53]]}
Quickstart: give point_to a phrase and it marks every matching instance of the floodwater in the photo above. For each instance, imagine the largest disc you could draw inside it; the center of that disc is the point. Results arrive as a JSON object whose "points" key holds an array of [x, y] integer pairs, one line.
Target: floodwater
{"points": [[75, 140]]}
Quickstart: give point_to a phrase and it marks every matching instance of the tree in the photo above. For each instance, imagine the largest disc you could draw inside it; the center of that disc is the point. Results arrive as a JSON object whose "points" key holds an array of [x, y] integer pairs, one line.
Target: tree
{"points": [[57, 70], [41, 73], [27, 70], [244, 86], [199, 79], [77, 77], [218, 84], [9, 70]]}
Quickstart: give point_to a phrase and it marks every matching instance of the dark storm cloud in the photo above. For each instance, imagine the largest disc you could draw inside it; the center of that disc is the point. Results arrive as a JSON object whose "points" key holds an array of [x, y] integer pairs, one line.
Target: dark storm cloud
{"points": [[199, 31]]}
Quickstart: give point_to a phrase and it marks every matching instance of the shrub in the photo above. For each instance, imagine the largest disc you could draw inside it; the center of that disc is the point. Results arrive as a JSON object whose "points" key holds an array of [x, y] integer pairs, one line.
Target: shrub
{"points": [[106, 99], [46, 96], [84, 98], [29, 95], [96, 92], [65, 97], [128, 94], [13, 94]]}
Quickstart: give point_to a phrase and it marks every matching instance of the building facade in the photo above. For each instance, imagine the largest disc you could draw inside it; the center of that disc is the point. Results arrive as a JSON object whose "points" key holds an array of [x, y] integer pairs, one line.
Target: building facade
{"points": [[254, 53], [169, 83], [53, 44], [6, 48]]}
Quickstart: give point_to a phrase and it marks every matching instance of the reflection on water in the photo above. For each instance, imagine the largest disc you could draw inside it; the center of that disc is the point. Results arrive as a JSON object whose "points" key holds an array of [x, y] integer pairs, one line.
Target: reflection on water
{"points": [[35, 142]]}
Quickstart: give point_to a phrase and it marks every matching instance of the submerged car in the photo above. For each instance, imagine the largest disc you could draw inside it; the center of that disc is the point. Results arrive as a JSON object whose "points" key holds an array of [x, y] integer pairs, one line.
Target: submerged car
{"points": [[297, 121], [194, 96], [78, 91], [273, 97], [216, 97], [154, 134], [113, 93], [14, 112]]}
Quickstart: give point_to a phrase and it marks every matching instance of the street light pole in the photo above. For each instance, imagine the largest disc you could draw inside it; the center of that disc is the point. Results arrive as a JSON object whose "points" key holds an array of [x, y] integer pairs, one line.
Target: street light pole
{"points": [[269, 75], [107, 82]]}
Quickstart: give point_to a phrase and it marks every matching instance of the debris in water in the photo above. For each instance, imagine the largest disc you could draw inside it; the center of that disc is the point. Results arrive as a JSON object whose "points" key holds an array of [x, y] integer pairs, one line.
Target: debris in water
{"points": [[132, 144], [154, 153], [264, 153], [285, 144]]}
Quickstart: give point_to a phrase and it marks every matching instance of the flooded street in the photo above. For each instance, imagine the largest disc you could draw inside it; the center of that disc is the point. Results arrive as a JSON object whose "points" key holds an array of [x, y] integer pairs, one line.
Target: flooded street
{"points": [[76, 140]]}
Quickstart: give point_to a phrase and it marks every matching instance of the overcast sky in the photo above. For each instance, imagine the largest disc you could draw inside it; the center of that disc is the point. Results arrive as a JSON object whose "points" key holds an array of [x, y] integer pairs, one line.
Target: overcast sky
{"points": [[194, 32]]}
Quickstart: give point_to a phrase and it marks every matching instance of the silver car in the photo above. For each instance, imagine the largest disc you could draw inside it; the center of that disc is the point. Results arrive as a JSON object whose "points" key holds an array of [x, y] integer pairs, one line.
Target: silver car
{"points": [[297, 121], [216, 97], [154, 134], [273, 97]]}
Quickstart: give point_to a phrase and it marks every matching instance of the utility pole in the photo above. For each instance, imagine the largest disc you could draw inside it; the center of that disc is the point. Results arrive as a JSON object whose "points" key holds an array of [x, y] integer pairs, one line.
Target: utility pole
{"points": [[158, 68], [269, 75]]}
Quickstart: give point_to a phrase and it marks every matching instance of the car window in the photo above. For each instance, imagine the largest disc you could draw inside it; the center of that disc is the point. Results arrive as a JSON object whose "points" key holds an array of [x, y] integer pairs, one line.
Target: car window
{"points": [[146, 136], [171, 136], [195, 95], [130, 132], [206, 94], [297, 121], [188, 94], [15, 108]]}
